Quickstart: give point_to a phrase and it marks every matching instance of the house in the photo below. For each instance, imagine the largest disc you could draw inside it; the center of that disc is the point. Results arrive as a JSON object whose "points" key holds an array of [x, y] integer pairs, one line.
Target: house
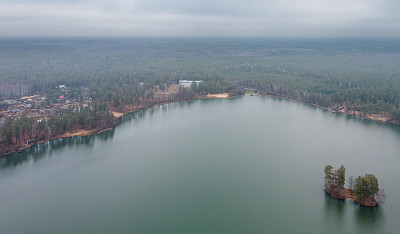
{"points": [[8, 102], [62, 87], [188, 83], [26, 105], [15, 112]]}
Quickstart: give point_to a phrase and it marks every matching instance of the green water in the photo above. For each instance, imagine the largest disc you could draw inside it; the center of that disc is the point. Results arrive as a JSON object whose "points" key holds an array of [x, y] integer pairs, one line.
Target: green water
{"points": [[246, 165]]}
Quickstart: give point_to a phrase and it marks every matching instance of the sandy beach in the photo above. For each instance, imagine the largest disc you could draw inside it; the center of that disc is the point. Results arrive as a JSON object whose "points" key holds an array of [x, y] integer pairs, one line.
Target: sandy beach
{"points": [[221, 95], [117, 114]]}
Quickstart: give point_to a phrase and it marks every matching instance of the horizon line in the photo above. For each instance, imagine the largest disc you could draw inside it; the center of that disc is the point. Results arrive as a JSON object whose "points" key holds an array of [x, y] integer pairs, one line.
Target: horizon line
{"points": [[188, 37]]}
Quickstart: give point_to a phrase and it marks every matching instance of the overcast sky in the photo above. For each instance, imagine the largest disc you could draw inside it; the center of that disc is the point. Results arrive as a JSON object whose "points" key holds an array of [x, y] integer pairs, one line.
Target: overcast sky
{"points": [[201, 18]]}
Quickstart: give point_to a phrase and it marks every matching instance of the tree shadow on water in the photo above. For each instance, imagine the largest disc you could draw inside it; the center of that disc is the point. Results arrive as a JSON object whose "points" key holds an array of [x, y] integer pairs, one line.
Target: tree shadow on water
{"points": [[134, 116], [105, 136], [46, 149], [334, 209], [369, 220]]}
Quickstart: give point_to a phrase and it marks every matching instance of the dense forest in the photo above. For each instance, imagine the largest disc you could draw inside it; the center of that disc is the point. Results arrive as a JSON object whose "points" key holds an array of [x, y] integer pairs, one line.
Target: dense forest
{"points": [[361, 76], [22, 130]]}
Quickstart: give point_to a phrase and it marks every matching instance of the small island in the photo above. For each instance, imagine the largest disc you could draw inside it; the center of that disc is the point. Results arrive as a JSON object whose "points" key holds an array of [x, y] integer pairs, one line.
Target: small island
{"points": [[364, 190]]}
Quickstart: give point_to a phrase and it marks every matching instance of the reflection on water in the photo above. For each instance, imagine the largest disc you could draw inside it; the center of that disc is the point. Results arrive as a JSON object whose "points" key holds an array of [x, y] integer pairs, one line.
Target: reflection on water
{"points": [[369, 122], [151, 111], [127, 119], [105, 136], [49, 148], [38, 151], [139, 181], [351, 118], [164, 108], [369, 219], [334, 209]]}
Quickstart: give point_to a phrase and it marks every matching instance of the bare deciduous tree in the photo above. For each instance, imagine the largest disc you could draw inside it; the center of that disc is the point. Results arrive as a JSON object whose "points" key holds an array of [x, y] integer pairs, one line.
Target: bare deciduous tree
{"points": [[380, 197], [351, 182]]}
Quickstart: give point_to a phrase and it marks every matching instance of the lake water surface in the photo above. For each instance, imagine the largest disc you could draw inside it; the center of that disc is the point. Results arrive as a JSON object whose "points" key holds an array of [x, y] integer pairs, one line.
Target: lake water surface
{"points": [[246, 165]]}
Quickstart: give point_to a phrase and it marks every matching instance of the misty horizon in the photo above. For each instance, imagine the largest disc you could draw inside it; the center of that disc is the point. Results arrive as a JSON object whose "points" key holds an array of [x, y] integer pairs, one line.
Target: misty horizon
{"points": [[201, 19]]}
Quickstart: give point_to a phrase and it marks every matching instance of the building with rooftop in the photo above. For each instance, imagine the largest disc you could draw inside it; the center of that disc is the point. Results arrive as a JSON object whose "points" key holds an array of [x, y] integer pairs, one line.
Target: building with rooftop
{"points": [[188, 83]]}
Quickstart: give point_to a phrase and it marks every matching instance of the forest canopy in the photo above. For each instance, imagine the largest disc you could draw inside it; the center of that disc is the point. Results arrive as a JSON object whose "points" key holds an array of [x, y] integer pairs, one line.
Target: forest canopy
{"points": [[361, 74], [356, 76]]}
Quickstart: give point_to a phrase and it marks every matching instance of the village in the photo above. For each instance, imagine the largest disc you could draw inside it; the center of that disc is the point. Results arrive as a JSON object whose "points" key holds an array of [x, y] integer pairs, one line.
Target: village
{"points": [[36, 106], [39, 108]]}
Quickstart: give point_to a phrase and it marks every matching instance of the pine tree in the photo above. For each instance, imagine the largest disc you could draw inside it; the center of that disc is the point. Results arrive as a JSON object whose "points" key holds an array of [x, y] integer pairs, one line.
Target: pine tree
{"points": [[329, 177]]}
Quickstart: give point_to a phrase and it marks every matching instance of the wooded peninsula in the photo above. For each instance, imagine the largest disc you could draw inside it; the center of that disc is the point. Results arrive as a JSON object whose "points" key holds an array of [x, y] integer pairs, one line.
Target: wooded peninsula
{"points": [[54, 88]]}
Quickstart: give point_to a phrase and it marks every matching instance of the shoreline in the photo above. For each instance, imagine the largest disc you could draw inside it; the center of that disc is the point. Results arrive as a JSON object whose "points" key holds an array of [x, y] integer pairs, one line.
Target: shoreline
{"points": [[117, 116], [347, 112], [344, 193], [79, 132]]}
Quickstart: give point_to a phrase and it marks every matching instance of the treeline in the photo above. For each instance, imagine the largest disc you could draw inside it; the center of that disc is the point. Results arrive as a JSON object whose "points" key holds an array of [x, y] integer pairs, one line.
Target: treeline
{"points": [[12, 90], [106, 96], [361, 75], [212, 87], [367, 101], [17, 132], [119, 95]]}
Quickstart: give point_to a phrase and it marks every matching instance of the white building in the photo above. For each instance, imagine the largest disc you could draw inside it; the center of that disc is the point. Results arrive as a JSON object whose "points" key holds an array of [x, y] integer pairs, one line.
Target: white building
{"points": [[188, 83], [8, 101]]}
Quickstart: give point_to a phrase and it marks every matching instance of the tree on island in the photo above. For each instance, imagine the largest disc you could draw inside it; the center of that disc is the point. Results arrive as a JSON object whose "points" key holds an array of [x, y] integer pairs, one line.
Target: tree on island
{"points": [[363, 190], [367, 187], [380, 197], [340, 175], [334, 180], [351, 182], [328, 177]]}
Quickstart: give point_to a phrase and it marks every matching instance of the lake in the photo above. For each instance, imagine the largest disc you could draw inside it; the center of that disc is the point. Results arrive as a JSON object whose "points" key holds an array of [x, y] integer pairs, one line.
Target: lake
{"points": [[251, 164]]}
